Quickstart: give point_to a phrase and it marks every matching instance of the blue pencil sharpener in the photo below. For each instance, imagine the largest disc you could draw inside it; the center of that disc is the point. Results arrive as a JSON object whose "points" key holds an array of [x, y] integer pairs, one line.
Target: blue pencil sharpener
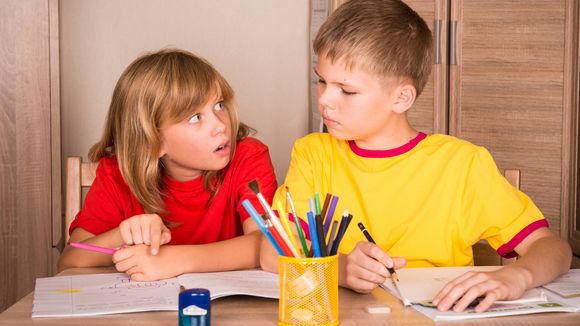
{"points": [[194, 307]]}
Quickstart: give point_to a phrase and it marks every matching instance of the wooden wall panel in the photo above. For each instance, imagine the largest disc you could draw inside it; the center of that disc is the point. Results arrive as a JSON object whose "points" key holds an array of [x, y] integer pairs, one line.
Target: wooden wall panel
{"points": [[507, 89], [429, 113], [25, 147]]}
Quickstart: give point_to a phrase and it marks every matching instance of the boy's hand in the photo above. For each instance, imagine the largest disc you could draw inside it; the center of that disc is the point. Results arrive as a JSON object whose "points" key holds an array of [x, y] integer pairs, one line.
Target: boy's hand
{"points": [[140, 265], [503, 284], [365, 267], [145, 229]]}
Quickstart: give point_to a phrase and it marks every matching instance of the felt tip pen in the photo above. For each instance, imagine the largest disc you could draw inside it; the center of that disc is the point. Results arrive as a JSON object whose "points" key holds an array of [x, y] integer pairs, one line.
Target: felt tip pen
{"points": [[91, 247], [370, 239]]}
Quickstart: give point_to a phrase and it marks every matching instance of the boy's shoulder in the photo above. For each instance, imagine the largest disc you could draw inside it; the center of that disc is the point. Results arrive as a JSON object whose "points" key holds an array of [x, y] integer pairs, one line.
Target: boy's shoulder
{"points": [[446, 144], [317, 139]]}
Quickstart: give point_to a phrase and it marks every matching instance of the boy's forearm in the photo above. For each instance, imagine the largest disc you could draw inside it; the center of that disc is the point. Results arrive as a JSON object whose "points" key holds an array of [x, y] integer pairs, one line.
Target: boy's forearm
{"points": [[242, 252], [546, 259]]}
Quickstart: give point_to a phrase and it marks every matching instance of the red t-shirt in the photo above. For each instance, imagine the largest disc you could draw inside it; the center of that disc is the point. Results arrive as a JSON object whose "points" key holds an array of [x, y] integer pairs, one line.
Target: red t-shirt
{"points": [[110, 201]]}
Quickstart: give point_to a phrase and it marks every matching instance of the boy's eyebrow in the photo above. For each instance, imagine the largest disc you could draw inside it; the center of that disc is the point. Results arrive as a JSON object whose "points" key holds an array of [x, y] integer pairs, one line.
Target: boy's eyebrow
{"points": [[340, 84]]}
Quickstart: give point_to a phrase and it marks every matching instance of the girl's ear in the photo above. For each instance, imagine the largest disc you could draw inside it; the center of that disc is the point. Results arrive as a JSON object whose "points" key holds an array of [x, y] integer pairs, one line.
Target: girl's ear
{"points": [[162, 149], [405, 96]]}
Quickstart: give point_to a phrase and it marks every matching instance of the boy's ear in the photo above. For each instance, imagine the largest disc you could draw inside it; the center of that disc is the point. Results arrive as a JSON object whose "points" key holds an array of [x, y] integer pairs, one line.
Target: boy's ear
{"points": [[405, 95]]}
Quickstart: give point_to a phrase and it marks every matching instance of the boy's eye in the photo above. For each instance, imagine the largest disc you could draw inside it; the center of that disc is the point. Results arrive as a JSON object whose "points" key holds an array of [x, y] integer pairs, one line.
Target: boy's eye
{"points": [[347, 93], [321, 81], [195, 118], [219, 106]]}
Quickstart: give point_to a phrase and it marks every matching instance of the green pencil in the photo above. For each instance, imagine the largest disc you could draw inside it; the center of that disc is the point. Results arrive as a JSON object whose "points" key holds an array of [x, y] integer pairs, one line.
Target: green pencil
{"points": [[297, 222]]}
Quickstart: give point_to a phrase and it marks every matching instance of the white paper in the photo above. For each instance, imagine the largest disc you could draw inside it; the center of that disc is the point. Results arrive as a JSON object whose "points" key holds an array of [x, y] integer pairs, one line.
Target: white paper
{"points": [[252, 282], [567, 286], [420, 285], [88, 295], [100, 294]]}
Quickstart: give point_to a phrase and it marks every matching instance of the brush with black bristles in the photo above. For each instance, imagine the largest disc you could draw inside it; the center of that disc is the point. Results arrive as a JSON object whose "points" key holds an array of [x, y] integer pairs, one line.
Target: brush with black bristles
{"points": [[253, 185]]}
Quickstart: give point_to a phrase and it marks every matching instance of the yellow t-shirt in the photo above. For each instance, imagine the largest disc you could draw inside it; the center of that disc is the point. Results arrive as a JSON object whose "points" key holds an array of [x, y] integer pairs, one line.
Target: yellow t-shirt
{"points": [[428, 203]]}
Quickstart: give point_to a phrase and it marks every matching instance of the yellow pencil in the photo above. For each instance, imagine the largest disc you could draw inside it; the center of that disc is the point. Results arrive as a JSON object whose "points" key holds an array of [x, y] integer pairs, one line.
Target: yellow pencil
{"points": [[287, 228]]}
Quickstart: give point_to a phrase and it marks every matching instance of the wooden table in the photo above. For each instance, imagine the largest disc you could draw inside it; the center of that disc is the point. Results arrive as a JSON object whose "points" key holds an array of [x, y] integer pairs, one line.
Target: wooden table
{"points": [[243, 310]]}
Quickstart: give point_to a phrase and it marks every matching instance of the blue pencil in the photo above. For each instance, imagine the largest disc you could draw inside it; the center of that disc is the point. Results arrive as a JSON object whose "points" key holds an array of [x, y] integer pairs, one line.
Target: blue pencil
{"points": [[313, 234], [254, 214]]}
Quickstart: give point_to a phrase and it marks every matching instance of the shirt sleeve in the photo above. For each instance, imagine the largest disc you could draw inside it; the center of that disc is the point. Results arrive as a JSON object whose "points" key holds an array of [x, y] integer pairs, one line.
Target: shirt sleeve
{"points": [[102, 209], [495, 210], [299, 179], [254, 163]]}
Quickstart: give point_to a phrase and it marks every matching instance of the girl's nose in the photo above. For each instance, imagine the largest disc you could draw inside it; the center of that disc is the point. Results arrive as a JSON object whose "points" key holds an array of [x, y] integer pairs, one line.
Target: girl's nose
{"points": [[219, 123]]}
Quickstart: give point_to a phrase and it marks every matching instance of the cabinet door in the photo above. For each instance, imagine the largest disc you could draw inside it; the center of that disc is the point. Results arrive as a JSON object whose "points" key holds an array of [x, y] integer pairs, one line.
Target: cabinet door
{"points": [[29, 145], [507, 91], [429, 113]]}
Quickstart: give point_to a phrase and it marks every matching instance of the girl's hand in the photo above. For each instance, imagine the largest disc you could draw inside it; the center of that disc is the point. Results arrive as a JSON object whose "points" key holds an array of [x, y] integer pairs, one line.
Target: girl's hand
{"points": [[508, 283], [140, 265], [145, 229], [365, 267]]}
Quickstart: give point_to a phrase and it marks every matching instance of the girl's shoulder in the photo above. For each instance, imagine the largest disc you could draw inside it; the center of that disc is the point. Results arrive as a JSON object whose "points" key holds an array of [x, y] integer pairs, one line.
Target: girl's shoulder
{"points": [[250, 145]]}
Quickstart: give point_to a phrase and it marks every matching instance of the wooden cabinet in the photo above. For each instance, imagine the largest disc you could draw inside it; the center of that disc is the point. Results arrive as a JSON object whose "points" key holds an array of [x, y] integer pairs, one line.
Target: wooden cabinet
{"points": [[506, 78], [29, 145]]}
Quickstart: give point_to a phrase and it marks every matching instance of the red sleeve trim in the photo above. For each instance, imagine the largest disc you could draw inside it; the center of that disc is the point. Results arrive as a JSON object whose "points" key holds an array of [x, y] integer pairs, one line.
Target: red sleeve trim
{"points": [[507, 250]]}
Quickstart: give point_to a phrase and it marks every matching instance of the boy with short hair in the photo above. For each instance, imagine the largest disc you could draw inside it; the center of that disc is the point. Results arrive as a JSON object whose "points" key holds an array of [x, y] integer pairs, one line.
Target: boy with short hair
{"points": [[426, 199]]}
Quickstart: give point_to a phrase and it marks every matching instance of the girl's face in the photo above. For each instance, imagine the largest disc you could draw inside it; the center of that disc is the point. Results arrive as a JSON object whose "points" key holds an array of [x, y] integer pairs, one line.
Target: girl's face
{"points": [[199, 143]]}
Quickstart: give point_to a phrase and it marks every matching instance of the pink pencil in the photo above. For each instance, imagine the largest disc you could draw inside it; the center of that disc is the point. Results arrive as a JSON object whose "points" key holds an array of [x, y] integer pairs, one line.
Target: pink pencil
{"points": [[90, 247]]}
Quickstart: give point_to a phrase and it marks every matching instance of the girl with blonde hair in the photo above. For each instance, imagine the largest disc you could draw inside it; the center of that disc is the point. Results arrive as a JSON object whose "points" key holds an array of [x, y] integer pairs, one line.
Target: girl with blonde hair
{"points": [[174, 164]]}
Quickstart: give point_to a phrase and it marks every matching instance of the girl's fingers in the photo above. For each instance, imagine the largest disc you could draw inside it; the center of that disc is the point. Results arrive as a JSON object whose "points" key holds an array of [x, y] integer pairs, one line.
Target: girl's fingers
{"points": [[136, 233], [165, 235], [125, 231], [155, 238], [146, 231]]}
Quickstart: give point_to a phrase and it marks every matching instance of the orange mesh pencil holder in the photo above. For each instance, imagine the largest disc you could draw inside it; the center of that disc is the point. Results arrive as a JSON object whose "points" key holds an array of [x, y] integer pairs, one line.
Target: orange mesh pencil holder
{"points": [[308, 291]]}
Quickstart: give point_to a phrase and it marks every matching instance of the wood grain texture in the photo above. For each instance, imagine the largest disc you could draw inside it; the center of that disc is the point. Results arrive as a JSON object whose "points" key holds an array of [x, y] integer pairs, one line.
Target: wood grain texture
{"points": [[242, 310], [507, 90], [25, 147], [429, 113]]}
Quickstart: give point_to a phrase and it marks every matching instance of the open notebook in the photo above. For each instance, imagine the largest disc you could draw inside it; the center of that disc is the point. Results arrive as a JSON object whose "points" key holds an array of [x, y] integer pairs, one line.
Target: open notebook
{"points": [[101, 294], [419, 285]]}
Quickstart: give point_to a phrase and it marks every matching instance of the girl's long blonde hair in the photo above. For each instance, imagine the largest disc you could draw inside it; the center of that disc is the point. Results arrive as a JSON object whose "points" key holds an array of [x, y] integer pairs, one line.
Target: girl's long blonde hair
{"points": [[157, 88]]}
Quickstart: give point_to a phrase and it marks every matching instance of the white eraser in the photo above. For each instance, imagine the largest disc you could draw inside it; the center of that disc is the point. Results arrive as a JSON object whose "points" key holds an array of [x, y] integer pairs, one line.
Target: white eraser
{"points": [[378, 309]]}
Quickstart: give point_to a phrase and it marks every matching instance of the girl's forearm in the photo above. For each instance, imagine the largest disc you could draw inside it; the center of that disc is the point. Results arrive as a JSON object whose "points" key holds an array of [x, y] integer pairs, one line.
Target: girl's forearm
{"points": [[242, 252], [74, 257]]}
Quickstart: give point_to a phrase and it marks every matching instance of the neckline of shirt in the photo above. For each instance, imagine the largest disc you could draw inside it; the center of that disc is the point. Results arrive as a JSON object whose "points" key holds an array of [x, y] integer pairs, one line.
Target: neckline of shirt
{"points": [[371, 153]]}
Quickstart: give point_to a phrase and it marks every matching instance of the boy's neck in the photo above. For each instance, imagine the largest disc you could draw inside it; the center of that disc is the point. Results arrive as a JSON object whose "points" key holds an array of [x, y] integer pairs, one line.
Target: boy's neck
{"points": [[394, 139]]}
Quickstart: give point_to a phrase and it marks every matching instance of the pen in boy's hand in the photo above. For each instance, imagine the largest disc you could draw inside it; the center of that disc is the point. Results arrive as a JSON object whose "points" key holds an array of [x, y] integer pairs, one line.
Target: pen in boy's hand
{"points": [[370, 239]]}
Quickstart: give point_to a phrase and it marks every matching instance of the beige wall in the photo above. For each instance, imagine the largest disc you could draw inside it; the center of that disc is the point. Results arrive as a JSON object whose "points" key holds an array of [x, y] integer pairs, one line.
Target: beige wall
{"points": [[260, 46]]}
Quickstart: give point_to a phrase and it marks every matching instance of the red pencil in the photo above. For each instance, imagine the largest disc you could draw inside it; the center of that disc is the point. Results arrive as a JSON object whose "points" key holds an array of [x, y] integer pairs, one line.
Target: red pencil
{"points": [[279, 239]]}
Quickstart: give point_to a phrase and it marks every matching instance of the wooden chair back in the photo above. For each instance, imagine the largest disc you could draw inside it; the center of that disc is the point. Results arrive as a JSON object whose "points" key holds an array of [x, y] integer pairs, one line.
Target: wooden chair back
{"points": [[79, 176], [483, 253]]}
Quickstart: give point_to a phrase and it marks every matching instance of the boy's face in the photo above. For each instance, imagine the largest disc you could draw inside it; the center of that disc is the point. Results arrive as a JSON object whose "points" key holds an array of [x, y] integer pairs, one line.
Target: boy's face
{"points": [[199, 143], [355, 105]]}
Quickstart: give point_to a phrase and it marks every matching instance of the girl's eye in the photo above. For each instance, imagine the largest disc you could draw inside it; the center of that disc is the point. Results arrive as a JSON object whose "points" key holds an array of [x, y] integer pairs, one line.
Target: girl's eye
{"points": [[219, 106], [195, 118]]}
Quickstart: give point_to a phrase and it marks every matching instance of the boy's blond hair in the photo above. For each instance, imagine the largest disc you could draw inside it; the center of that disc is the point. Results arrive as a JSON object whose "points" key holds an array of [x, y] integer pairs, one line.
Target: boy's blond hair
{"points": [[163, 87], [381, 37]]}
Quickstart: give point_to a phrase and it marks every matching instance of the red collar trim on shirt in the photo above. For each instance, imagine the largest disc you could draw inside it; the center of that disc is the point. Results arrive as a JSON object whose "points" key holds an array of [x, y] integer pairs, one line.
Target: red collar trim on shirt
{"points": [[387, 152]]}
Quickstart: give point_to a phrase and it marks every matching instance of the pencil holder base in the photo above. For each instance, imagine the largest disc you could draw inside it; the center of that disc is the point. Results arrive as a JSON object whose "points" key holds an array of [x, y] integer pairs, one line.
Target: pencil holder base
{"points": [[308, 291]]}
